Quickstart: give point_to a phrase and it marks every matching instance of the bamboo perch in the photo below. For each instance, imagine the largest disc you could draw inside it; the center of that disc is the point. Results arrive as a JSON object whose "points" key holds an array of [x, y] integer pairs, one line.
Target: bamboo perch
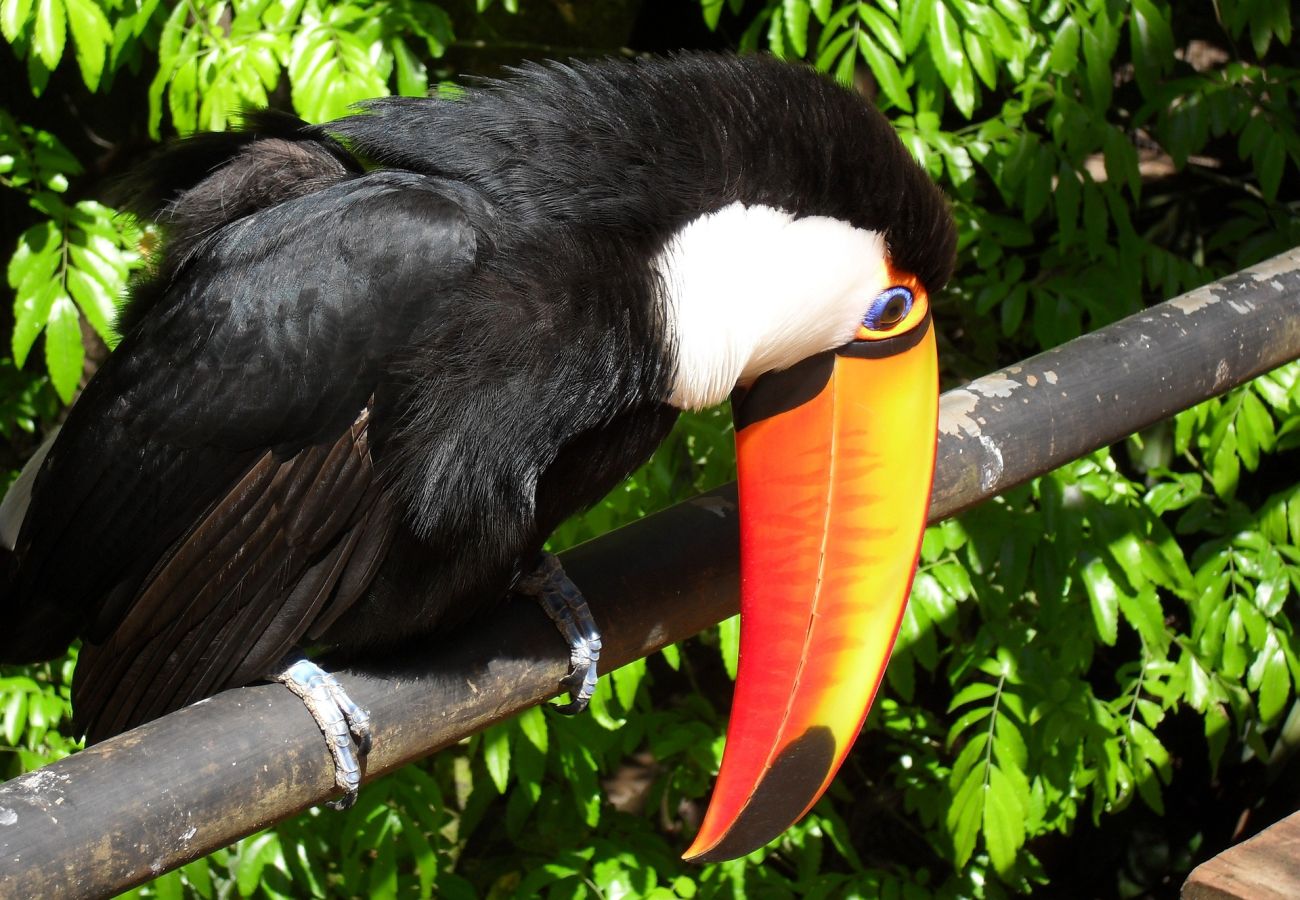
{"points": [[150, 800]]}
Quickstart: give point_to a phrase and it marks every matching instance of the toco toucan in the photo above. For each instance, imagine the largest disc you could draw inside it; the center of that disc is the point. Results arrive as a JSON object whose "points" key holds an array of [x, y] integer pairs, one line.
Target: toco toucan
{"points": [[380, 359]]}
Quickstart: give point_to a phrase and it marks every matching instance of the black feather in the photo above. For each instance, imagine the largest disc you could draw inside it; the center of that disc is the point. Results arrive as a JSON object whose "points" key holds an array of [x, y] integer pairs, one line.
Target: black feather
{"points": [[350, 405]]}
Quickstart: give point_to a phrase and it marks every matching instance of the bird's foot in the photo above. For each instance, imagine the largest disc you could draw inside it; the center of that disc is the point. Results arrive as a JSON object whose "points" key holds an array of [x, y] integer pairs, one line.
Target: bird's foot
{"points": [[568, 609], [339, 718]]}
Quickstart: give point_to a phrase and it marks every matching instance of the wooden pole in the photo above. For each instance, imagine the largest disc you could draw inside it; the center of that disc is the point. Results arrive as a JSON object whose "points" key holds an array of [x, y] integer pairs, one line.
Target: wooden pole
{"points": [[152, 799]]}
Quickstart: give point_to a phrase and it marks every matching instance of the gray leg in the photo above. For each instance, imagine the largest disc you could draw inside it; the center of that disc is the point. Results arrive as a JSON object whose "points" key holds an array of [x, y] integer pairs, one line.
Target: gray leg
{"points": [[564, 603], [339, 719]]}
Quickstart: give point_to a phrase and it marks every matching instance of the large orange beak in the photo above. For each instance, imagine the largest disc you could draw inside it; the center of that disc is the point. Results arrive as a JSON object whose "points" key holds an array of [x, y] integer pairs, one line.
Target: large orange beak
{"points": [[835, 459]]}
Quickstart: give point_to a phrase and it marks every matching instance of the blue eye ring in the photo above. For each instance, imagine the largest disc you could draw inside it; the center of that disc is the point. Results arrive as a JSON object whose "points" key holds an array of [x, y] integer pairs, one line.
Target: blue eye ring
{"points": [[890, 307]]}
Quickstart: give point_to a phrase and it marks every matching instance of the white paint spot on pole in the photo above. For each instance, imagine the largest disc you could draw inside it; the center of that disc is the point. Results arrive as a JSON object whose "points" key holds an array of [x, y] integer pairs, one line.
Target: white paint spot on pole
{"points": [[994, 385], [991, 466], [955, 408], [1286, 264], [1196, 300]]}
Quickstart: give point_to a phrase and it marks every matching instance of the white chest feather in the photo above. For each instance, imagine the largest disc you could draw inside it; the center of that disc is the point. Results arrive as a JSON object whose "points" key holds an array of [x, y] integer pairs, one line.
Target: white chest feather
{"points": [[750, 289]]}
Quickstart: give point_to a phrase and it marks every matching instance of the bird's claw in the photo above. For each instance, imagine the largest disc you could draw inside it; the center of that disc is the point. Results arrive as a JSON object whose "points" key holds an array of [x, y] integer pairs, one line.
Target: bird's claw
{"points": [[584, 654], [346, 725], [568, 609]]}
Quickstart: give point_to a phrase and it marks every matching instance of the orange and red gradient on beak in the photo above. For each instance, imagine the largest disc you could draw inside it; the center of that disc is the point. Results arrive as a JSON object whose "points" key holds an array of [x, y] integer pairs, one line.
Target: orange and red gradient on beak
{"points": [[835, 460]]}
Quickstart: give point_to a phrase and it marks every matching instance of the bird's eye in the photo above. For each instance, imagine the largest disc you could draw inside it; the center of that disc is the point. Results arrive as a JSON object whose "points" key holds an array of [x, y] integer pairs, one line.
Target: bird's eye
{"points": [[894, 311], [888, 309]]}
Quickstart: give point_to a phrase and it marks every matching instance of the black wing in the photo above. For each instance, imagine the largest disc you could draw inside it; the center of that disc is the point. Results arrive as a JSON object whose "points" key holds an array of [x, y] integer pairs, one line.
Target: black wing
{"points": [[210, 499]]}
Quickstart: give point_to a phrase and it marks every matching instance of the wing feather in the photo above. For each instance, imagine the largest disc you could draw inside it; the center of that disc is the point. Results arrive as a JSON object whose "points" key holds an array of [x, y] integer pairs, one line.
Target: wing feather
{"points": [[211, 501], [257, 569]]}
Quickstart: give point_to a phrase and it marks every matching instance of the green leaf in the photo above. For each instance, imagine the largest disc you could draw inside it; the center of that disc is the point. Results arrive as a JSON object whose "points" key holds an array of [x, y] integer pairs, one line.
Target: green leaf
{"points": [[382, 881], [796, 24], [883, 30], [1121, 160], [426, 860], [916, 20], [532, 724], [15, 718], [977, 690], [330, 67], [1145, 614], [64, 352], [776, 32], [712, 10], [1151, 43], [1015, 12], [13, 16], [1064, 56], [981, 59], [729, 644], [1103, 597], [92, 35], [412, 77], [627, 680], [1199, 688], [496, 755], [1270, 160], [1226, 466], [946, 47], [50, 33], [1097, 69], [31, 313], [254, 854], [672, 655], [886, 72], [1004, 820], [95, 303], [928, 591], [1270, 674], [965, 815], [965, 721], [846, 69], [36, 258]]}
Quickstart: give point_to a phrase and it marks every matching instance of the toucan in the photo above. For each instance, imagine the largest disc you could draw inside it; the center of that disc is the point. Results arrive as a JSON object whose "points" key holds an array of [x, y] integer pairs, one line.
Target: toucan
{"points": [[379, 360]]}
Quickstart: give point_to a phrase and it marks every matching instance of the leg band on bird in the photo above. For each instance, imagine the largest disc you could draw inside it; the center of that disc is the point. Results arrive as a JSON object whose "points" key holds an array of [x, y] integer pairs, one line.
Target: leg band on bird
{"points": [[340, 719], [568, 609]]}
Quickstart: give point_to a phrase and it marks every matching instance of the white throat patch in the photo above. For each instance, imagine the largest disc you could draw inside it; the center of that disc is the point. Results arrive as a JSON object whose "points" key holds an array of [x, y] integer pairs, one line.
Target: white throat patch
{"points": [[751, 289]]}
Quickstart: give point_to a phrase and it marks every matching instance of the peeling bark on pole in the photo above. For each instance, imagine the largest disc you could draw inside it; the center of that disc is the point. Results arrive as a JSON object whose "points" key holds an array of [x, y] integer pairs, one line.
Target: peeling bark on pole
{"points": [[136, 806]]}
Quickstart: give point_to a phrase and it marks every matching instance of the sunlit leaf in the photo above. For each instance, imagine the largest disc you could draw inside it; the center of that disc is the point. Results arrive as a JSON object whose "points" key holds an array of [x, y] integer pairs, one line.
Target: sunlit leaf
{"points": [[50, 32], [496, 755], [1004, 820], [1103, 596]]}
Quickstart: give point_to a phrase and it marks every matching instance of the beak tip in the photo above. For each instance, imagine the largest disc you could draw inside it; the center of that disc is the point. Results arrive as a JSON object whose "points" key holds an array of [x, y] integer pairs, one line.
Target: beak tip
{"points": [[697, 854], [791, 784]]}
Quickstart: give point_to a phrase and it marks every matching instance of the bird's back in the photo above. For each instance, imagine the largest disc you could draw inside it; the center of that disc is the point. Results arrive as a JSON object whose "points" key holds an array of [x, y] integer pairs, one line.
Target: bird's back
{"points": [[212, 496]]}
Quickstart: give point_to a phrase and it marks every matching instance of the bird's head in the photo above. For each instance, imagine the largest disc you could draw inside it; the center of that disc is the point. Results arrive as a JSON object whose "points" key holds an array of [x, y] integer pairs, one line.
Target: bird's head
{"points": [[827, 350]]}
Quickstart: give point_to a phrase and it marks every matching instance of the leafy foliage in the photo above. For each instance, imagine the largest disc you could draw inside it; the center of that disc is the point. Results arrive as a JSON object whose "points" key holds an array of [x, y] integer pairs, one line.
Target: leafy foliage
{"points": [[71, 265], [1081, 657]]}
